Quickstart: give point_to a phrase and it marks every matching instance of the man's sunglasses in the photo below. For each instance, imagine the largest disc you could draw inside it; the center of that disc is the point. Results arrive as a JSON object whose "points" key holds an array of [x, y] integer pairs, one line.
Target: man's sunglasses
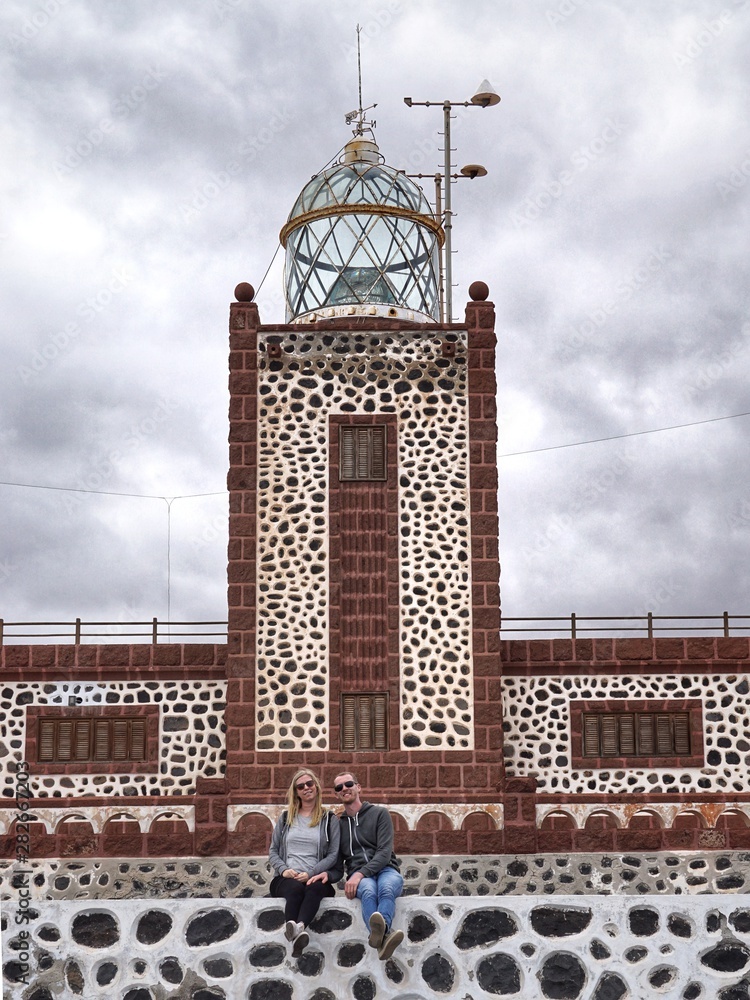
{"points": [[343, 785], [305, 784]]}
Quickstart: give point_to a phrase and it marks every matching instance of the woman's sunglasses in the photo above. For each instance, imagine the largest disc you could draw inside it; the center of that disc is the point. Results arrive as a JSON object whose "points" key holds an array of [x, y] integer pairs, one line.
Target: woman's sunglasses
{"points": [[305, 784]]}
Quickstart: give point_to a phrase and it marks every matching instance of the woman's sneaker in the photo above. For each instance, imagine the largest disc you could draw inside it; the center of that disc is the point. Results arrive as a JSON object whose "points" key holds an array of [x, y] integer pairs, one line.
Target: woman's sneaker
{"points": [[301, 942], [292, 929], [390, 943]]}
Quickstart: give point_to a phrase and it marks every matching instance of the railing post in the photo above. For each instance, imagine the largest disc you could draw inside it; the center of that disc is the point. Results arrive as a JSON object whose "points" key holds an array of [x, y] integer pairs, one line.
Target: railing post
{"points": [[651, 625], [78, 632], [726, 624], [572, 625], [2, 624], [154, 632]]}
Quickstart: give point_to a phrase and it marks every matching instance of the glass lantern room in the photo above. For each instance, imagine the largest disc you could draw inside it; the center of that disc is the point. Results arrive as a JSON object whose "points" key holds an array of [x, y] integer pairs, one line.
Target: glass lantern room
{"points": [[362, 240]]}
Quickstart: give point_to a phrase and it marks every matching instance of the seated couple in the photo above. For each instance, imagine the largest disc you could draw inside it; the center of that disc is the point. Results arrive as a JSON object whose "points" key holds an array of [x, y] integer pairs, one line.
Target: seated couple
{"points": [[311, 848]]}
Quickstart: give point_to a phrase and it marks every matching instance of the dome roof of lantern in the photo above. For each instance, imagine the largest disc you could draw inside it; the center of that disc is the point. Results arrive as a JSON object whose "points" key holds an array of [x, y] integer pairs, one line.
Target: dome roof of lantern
{"points": [[361, 178], [361, 239]]}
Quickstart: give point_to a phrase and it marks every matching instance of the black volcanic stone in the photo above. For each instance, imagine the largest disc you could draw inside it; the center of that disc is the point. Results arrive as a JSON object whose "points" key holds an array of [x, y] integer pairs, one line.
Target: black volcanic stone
{"points": [[323, 994], [212, 993], [350, 955], [95, 930], [726, 958], [692, 991], [679, 926], [170, 971], [331, 920], [438, 973], [610, 987], [363, 989], [211, 927], [41, 994], [420, 928], [139, 993], [634, 955], [310, 963], [49, 933], [15, 971], [106, 973], [643, 922], [559, 921], [740, 991], [730, 882], [270, 989], [713, 923], [394, 971], [271, 920], [499, 974], [265, 956], [739, 919], [46, 961], [153, 926], [74, 977], [218, 968], [662, 976], [482, 927], [599, 950], [562, 977], [517, 869]]}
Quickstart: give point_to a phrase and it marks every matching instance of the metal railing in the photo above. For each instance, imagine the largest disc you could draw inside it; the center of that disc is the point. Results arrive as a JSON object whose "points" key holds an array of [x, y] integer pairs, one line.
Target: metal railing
{"points": [[648, 625], [152, 630], [570, 626]]}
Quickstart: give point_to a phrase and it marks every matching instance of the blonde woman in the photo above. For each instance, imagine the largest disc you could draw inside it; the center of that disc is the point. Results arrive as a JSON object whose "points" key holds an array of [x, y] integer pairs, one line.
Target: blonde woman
{"points": [[303, 856]]}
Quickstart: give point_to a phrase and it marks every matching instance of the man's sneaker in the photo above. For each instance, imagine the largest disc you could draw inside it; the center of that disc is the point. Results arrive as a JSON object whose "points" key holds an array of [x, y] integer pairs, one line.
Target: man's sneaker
{"points": [[292, 929], [377, 930], [389, 945], [301, 942]]}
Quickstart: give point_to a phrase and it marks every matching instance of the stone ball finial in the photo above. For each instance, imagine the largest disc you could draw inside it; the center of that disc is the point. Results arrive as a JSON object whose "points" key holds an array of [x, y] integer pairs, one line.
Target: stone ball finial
{"points": [[244, 292], [478, 291]]}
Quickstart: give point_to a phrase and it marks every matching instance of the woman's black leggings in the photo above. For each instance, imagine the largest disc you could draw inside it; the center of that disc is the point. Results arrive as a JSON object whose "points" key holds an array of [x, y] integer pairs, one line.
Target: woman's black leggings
{"points": [[302, 901]]}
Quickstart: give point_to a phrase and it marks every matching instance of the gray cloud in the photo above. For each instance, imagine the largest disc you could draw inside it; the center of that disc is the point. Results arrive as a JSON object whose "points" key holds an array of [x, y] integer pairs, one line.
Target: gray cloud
{"points": [[166, 145]]}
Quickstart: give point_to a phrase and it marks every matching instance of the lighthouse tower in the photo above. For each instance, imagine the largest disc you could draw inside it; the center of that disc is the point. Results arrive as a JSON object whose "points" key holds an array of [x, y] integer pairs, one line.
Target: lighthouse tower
{"points": [[363, 564]]}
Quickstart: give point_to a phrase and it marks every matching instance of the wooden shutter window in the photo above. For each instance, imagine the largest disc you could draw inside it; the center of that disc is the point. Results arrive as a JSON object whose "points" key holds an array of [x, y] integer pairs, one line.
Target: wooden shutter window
{"points": [[590, 736], [46, 740], [626, 746], [646, 742], [609, 736], [682, 734], [637, 734], [364, 722], [362, 453], [82, 739], [62, 741], [138, 739]]}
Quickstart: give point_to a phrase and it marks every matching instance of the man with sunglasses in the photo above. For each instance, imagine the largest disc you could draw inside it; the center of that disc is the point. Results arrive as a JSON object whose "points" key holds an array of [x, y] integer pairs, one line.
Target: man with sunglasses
{"points": [[372, 868]]}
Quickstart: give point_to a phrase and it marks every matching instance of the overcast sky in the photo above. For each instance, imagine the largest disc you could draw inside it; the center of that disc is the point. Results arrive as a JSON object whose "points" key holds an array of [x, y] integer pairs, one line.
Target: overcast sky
{"points": [[151, 153]]}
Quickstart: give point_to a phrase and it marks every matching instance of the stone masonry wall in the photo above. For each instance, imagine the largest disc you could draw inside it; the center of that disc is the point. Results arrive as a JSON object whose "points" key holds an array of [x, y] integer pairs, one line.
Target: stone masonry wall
{"points": [[545, 927]]}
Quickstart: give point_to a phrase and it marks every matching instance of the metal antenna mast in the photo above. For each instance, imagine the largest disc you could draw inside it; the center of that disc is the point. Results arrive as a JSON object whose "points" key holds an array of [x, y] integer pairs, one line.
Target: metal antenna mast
{"points": [[359, 114], [359, 73], [485, 97]]}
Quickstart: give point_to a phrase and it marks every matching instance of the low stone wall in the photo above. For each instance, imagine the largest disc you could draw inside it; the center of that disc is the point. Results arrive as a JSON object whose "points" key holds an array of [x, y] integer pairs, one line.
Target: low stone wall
{"points": [[435, 875], [588, 947], [581, 927]]}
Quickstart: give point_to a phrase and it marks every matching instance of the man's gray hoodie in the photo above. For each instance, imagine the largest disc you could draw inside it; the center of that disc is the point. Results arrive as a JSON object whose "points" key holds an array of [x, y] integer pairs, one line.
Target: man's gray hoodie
{"points": [[367, 840]]}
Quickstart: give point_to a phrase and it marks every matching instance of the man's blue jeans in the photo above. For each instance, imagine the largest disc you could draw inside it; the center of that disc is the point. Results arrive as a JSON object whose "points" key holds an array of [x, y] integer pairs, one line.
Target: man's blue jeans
{"points": [[380, 893]]}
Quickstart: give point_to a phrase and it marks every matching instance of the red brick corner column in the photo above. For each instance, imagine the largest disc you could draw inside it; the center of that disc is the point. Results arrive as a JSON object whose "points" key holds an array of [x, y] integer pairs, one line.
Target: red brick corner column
{"points": [[485, 564], [244, 323]]}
